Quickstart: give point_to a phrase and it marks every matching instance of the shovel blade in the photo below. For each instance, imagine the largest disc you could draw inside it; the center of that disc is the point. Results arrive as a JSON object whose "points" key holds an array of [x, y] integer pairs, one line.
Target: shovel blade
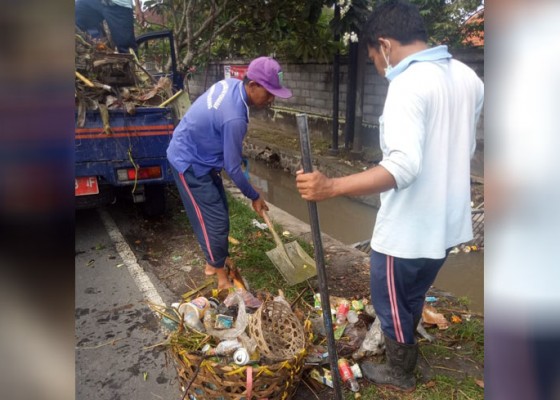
{"points": [[293, 263]]}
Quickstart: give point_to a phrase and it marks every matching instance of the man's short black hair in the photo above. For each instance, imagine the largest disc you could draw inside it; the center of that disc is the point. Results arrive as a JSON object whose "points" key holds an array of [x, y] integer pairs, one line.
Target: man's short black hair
{"points": [[397, 20]]}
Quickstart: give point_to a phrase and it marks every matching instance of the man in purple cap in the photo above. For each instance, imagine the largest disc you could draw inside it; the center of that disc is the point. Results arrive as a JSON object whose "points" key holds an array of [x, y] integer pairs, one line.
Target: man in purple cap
{"points": [[209, 138]]}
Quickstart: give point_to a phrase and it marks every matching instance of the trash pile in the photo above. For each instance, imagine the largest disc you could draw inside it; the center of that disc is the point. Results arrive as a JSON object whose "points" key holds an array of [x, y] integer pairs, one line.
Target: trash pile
{"points": [[237, 344], [106, 80], [243, 345], [357, 333]]}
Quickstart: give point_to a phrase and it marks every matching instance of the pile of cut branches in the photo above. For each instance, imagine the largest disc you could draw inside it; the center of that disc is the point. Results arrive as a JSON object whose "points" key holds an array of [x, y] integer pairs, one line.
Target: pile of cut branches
{"points": [[106, 80]]}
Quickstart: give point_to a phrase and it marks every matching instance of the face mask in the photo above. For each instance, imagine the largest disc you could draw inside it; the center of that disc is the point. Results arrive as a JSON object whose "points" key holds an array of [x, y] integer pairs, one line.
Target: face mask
{"points": [[389, 67]]}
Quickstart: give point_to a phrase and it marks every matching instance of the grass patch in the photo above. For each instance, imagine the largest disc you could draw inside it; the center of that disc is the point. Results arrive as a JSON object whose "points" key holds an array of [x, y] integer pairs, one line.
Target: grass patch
{"points": [[441, 387], [464, 301], [250, 254], [434, 350], [471, 332]]}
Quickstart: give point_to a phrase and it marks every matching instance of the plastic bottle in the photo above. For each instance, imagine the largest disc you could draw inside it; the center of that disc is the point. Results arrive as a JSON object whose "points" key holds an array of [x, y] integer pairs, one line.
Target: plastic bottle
{"points": [[201, 303], [226, 347], [342, 312], [347, 375], [193, 311]]}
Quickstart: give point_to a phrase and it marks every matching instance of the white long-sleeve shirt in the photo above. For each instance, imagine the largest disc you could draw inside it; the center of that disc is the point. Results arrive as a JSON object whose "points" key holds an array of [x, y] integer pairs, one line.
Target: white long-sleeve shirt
{"points": [[428, 136]]}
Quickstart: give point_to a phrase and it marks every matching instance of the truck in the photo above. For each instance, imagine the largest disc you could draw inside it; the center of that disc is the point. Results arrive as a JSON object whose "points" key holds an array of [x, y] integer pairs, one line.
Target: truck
{"points": [[129, 157]]}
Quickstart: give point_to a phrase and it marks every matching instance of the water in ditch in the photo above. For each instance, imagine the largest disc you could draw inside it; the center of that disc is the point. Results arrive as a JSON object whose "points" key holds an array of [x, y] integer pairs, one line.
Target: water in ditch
{"points": [[351, 221]]}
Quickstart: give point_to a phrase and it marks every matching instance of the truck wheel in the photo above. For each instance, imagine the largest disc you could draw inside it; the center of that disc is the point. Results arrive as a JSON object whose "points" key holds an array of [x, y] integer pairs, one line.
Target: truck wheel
{"points": [[154, 205]]}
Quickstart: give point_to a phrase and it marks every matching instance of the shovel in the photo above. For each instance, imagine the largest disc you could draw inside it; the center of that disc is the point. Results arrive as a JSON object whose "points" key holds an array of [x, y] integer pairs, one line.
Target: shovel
{"points": [[290, 259]]}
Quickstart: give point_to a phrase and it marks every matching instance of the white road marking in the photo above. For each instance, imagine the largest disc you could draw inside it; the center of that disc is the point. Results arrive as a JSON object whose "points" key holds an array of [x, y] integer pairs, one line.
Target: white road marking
{"points": [[140, 277]]}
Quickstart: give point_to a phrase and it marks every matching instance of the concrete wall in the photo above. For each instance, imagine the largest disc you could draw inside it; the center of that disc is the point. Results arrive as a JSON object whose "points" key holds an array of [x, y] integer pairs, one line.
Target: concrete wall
{"points": [[312, 87]]}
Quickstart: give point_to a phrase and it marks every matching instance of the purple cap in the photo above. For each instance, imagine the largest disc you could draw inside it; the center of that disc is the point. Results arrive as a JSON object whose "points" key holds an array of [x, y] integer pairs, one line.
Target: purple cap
{"points": [[267, 72]]}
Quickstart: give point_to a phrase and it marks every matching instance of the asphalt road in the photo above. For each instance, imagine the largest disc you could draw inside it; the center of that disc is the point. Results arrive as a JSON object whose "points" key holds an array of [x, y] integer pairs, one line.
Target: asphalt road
{"points": [[115, 328]]}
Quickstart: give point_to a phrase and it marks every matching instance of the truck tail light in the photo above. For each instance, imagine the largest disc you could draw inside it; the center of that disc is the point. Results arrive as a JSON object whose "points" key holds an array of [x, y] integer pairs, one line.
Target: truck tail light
{"points": [[130, 174]]}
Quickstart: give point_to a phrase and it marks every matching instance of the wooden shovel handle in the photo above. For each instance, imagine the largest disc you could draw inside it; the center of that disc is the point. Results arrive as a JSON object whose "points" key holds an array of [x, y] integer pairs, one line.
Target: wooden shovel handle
{"points": [[271, 227], [235, 276]]}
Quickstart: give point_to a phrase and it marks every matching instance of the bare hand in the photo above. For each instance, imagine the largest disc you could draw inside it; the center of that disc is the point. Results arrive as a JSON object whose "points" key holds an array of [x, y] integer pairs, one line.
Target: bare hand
{"points": [[314, 186], [259, 205]]}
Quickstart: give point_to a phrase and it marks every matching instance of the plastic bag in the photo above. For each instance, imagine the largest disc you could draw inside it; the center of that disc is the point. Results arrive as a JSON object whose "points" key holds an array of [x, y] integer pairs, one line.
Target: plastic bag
{"points": [[374, 342], [248, 342], [354, 336], [248, 299], [240, 322]]}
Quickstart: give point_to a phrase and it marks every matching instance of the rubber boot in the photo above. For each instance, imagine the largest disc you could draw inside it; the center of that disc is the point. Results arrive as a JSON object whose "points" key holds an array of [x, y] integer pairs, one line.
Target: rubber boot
{"points": [[398, 372]]}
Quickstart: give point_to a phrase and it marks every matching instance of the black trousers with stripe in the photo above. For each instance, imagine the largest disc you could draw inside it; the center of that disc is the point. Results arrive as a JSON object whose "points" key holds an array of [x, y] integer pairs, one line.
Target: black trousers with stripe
{"points": [[398, 290], [205, 202]]}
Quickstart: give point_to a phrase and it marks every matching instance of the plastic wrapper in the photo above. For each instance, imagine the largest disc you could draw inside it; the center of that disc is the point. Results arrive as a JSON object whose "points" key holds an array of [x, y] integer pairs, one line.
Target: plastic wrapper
{"points": [[373, 343], [432, 317], [354, 335], [248, 299], [248, 342], [239, 326]]}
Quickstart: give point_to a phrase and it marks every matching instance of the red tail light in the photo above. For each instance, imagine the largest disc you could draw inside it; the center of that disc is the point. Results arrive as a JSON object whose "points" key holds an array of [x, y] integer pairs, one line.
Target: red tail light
{"points": [[130, 174]]}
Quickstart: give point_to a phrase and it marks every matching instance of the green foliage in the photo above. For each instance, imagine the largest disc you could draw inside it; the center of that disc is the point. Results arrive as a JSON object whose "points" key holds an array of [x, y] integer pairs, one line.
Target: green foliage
{"points": [[219, 29], [293, 30], [289, 29], [445, 20], [354, 19], [309, 41]]}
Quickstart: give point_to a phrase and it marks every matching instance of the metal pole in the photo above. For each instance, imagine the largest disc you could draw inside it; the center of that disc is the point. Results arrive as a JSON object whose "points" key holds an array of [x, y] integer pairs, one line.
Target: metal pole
{"points": [[319, 259], [336, 79], [351, 96]]}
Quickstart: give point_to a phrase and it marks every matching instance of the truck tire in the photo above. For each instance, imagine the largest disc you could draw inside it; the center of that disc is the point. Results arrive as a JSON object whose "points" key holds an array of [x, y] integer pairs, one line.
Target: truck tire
{"points": [[154, 205]]}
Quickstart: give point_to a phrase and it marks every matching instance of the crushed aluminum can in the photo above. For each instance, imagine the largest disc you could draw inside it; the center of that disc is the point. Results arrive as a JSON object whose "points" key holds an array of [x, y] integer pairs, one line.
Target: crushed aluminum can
{"points": [[241, 356]]}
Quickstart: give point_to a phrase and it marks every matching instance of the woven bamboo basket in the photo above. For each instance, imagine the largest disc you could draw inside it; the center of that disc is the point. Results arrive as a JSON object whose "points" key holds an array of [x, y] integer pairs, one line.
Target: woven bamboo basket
{"points": [[214, 381], [275, 377], [277, 331]]}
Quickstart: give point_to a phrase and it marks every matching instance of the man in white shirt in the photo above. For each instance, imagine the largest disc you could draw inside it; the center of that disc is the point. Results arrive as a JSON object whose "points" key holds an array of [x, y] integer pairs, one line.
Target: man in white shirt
{"points": [[119, 16], [427, 135]]}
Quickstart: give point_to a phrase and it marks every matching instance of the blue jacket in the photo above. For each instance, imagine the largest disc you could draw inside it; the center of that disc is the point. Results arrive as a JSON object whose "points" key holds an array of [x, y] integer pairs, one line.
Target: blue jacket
{"points": [[210, 135]]}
